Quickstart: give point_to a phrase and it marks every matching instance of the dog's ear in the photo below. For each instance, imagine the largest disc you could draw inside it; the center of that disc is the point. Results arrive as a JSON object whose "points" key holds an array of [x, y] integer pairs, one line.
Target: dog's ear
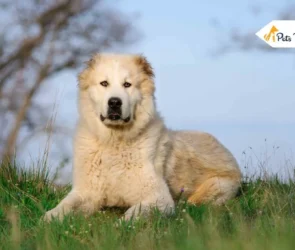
{"points": [[147, 85], [84, 77], [145, 66], [90, 63]]}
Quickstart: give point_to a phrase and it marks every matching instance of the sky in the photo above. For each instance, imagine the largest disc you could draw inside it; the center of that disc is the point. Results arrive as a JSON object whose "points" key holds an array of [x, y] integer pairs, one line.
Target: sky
{"points": [[244, 98]]}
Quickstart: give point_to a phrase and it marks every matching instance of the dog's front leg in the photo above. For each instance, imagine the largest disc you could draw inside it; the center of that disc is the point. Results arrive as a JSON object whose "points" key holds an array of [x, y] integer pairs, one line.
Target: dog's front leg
{"points": [[158, 197], [67, 205]]}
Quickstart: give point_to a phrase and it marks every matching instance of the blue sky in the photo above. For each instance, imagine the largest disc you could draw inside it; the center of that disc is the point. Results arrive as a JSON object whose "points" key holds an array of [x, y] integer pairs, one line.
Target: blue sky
{"points": [[242, 98]]}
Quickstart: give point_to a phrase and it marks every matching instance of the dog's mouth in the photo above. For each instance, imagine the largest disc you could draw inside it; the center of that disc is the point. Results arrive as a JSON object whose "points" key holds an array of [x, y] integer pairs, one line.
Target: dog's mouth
{"points": [[113, 117]]}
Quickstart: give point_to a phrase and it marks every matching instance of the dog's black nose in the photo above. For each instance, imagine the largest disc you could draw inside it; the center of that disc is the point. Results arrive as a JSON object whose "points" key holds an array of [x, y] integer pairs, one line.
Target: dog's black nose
{"points": [[115, 102]]}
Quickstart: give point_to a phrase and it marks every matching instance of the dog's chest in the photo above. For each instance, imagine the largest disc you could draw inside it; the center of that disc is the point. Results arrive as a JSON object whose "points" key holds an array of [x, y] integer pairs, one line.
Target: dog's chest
{"points": [[117, 174]]}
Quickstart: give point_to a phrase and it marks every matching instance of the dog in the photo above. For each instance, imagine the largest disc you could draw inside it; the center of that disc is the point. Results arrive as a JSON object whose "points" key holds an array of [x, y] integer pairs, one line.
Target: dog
{"points": [[124, 156]]}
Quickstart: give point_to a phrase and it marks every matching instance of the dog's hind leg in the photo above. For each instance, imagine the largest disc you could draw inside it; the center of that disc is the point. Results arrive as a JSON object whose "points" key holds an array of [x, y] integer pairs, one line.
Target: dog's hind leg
{"points": [[216, 190]]}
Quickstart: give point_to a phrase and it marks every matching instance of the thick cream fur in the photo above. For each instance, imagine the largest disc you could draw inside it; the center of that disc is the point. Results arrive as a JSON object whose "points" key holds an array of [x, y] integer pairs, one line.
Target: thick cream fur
{"points": [[141, 164]]}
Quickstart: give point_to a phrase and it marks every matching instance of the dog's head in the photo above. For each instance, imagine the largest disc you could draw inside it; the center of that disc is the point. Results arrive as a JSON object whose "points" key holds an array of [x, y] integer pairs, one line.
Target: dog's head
{"points": [[116, 85]]}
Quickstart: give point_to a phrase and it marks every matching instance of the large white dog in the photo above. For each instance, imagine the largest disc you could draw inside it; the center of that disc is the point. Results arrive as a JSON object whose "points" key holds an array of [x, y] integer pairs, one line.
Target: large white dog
{"points": [[124, 155]]}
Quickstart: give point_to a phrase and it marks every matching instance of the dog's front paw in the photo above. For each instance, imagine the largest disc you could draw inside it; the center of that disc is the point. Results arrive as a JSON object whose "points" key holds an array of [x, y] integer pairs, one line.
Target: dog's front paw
{"points": [[135, 211], [53, 213], [131, 213]]}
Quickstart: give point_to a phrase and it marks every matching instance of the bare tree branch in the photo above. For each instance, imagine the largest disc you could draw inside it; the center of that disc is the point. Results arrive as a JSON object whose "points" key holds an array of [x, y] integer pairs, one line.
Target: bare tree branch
{"points": [[41, 40], [11, 140]]}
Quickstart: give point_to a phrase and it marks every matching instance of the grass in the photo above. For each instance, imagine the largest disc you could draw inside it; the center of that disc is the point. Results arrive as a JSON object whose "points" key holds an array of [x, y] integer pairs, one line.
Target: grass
{"points": [[261, 217]]}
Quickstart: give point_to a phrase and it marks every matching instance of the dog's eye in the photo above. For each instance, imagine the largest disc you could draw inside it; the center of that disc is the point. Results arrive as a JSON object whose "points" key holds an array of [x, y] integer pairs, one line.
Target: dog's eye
{"points": [[104, 83], [127, 84]]}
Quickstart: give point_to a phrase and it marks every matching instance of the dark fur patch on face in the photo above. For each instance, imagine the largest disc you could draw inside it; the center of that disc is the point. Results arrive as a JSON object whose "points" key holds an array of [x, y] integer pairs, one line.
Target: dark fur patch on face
{"points": [[146, 67]]}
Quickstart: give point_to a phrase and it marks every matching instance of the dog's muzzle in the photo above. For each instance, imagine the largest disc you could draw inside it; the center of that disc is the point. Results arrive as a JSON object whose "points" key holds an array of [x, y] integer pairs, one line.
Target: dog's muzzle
{"points": [[114, 110]]}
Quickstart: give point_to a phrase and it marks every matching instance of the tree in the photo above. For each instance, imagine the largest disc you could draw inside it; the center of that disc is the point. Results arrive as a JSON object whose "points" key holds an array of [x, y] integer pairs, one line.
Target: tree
{"points": [[41, 38]]}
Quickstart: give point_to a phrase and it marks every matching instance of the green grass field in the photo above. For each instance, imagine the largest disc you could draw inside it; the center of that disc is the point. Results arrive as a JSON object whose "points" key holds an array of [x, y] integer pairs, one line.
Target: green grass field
{"points": [[261, 217]]}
